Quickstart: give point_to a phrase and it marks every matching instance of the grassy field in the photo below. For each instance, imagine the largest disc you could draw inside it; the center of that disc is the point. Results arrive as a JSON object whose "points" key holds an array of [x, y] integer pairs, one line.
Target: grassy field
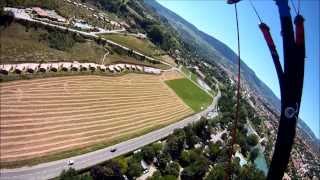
{"points": [[53, 118], [17, 45], [191, 94], [141, 45]]}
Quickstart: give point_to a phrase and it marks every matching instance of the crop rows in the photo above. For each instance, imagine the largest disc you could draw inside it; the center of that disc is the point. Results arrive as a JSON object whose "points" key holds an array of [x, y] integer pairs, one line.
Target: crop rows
{"points": [[45, 116]]}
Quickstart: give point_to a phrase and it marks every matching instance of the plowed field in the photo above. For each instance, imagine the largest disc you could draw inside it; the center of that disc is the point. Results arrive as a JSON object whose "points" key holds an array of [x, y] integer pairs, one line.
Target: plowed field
{"points": [[47, 116]]}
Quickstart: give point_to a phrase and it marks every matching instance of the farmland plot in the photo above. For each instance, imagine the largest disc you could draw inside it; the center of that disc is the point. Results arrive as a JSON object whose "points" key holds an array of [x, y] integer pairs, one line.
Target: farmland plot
{"points": [[43, 117]]}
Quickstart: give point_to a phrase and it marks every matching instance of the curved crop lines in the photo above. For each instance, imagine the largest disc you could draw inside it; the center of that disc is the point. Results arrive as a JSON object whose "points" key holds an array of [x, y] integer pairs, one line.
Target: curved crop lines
{"points": [[41, 117]]}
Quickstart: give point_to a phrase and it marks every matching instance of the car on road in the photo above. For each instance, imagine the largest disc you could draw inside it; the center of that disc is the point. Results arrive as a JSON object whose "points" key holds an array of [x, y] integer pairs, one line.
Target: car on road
{"points": [[70, 162], [113, 150]]}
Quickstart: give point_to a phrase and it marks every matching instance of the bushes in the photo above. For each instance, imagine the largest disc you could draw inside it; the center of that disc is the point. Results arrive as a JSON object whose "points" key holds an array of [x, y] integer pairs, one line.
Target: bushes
{"points": [[60, 41], [252, 140], [49, 4]]}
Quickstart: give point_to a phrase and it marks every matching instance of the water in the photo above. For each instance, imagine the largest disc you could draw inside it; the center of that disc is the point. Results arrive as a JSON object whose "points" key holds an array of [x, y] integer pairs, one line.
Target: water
{"points": [[261, 163]]}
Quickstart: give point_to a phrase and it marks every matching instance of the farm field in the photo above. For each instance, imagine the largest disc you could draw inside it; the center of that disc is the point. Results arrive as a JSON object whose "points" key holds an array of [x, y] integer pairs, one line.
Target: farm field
{"points": [[191, 94], [42, 119]]}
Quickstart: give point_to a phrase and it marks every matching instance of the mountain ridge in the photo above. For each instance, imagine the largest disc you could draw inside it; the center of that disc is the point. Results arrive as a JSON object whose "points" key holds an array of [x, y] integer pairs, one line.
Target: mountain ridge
{"points": [[217, 51]]}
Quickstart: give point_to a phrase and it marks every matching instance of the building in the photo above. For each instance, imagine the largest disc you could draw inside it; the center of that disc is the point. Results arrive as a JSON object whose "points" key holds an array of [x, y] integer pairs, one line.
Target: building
{"points": [[75, 66], [39, 12], [66, 66], [84, 66], [102, 67], [20, 68], [139, 68], [55, 67], [117, 68], [32, 67], [111, 68], [44, 67], [92, 66], [6, 68], [152, 70], [128, 66]]}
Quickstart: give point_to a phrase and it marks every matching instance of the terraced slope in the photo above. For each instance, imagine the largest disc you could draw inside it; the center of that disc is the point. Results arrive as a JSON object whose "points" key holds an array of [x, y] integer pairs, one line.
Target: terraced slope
{"points": [[47, 116]]}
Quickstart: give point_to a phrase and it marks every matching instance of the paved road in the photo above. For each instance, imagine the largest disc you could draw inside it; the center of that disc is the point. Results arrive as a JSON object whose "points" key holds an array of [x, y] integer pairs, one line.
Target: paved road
{"points": [[53, 169]]}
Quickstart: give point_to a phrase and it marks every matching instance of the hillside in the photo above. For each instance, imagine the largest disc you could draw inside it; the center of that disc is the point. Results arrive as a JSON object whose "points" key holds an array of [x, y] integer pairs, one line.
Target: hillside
{"points": [[216, 51]]}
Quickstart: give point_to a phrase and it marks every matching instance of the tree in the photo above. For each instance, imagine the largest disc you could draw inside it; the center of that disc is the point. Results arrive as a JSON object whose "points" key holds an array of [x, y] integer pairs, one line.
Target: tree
{"points": [[249, 172], [217, 173], [175, 143], [134, 168], [253, 154], [184, 158], [157, 176], [191, 137], [109, 171], [123, 164], [163, 160], [157, 147], [196, 170], [214, 151], [172, 169], [252, 140], [148, 154], [70, 174]]}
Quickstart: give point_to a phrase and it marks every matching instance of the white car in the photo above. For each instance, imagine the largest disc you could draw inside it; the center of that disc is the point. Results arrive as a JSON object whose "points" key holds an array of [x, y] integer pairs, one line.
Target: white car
{"points": [[70, 162]]}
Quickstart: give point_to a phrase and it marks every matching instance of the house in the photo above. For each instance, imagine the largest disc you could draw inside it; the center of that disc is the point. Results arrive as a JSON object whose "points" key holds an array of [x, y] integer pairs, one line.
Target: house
{"points": [[40, 12], [44, 67], [111, 68], [75, 66], [84, 66], [102, 67], [20, 68], [66, 66], [117, 68], [32, 67], [55, 67], [139, 68], [133, 67], [54, 16], [92, 66], [6, 68], [128, 66], [121, 66], [152, 70]]}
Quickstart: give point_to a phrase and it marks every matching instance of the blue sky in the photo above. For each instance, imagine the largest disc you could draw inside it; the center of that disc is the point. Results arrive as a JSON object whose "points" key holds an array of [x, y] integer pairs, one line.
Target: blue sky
{"points": [[216, 18]]}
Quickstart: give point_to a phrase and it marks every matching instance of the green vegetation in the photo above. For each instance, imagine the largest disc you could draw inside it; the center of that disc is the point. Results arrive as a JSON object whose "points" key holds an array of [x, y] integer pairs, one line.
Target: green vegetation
{"points": [[191, 94], [141, 45], [22, 44]]}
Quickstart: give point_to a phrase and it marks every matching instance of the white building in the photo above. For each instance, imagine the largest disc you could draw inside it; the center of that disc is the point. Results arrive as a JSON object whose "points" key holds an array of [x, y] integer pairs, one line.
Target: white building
{"points": [[32, 67], [20, 68], [152, 70], [6, 68]]}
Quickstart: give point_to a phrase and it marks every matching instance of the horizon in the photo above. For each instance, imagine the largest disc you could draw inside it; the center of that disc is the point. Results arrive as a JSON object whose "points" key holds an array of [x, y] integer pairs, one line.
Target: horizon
{"points": [[264, 70]]}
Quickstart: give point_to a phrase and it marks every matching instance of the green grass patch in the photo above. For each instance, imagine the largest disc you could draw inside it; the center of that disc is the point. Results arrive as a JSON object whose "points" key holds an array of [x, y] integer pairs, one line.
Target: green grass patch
{"points": [[191, 94]]}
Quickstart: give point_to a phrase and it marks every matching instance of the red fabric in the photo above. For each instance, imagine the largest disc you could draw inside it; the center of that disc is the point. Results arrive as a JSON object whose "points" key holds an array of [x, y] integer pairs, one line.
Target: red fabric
{"points": [[299, 30], [266, 33]]}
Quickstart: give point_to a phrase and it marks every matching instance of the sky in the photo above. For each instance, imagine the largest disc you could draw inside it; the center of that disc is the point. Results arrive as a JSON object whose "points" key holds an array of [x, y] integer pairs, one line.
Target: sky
{"points": [[217, 18]]}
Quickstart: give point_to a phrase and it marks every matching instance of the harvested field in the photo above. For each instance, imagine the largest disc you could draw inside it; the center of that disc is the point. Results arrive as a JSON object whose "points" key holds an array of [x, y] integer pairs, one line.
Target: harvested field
{"points": [[49, 116]]}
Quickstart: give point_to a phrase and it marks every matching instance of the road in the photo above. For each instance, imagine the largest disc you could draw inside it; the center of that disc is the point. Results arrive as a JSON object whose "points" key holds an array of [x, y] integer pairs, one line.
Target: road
{"points": [[20, 14], [54, 168]]}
